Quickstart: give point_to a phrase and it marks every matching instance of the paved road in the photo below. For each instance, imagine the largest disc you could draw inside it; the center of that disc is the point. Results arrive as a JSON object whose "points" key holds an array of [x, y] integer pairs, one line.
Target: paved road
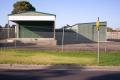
{"points": [[58, 75]]}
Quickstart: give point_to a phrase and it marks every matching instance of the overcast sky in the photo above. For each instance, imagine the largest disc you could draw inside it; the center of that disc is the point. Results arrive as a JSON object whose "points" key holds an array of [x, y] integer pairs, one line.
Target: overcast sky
{"points": [[71, 11]]}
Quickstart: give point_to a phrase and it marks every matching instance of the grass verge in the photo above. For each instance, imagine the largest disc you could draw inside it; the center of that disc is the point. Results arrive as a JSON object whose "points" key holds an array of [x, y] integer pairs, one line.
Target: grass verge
{"points": [[18, 56]]}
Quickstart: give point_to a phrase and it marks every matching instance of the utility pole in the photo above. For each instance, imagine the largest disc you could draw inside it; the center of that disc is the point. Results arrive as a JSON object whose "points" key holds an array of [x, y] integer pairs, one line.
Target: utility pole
{"points": [[98, 50], [98, 57]]}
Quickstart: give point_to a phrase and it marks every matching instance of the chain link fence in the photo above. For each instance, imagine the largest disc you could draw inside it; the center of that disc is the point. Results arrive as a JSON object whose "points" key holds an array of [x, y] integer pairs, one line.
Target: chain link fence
{"points": [[71, 42], [6, 36]]}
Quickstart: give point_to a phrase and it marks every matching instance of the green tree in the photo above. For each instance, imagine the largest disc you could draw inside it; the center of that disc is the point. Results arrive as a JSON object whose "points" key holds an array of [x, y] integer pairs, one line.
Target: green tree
{"points": [[109, 29], [22, 6], [0, 26]]}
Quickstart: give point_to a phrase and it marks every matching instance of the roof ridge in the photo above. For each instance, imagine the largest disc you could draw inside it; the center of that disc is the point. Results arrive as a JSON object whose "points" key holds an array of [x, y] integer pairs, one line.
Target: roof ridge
{"points": [[33, 12], [89, 23]]}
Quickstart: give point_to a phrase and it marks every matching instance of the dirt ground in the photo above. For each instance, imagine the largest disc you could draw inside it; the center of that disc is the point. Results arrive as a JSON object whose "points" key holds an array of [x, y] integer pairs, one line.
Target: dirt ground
{"points": [[108, 46], [104, 46]]}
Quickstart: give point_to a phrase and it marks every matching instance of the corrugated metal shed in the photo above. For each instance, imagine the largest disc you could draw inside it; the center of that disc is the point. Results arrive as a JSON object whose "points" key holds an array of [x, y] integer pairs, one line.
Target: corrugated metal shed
{"points": [[32, 26], [31, 23], [86, 32]]}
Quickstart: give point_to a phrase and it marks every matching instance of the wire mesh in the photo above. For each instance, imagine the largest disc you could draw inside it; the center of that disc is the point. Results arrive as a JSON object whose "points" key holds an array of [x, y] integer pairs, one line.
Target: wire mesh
{"points": [[72, 41]]}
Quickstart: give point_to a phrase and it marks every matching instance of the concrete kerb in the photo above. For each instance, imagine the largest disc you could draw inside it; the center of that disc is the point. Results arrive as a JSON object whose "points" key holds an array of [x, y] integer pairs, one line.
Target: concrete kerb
{"points": [[23, 67], [58, 67]]}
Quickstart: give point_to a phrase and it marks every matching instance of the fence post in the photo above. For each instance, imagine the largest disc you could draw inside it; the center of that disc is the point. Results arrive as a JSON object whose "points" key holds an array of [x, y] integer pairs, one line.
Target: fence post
{"points": [[8, 29], [63, 39]]}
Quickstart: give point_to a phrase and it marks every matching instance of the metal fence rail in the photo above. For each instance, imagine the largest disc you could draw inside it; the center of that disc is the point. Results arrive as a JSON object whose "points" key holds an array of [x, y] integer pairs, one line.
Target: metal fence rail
{"points": [[70, 42]]}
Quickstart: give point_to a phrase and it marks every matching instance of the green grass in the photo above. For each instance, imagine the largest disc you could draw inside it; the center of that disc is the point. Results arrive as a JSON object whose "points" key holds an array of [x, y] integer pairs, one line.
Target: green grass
{"points": [[111, 58], [18, 56]]}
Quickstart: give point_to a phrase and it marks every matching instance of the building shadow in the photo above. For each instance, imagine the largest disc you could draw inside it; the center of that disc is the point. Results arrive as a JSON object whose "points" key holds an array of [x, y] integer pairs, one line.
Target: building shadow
{"points": [[114, 40], [112, 76], [72, 37], [51, 72]]}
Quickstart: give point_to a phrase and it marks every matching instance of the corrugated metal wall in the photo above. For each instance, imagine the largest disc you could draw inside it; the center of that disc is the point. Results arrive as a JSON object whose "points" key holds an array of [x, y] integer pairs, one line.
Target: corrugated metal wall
{"points": [[89, 31], [26, 33], [82, 33], [35, 30]]}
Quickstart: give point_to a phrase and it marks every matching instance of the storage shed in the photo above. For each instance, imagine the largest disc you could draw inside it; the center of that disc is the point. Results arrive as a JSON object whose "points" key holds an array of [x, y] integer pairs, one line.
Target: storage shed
{"points": [[87, 31], [35, 27], [82, 33]]}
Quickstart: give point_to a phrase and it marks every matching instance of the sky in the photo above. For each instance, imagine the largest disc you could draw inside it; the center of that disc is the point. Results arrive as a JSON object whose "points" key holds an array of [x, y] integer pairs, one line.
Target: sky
{"points": [[71, 11]]}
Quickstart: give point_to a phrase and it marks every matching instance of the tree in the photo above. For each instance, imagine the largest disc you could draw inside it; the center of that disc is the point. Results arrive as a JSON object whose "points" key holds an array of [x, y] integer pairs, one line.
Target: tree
{"points": [[0, 26], [109, 29], [13, 26], [22, 6], [7, 26]]}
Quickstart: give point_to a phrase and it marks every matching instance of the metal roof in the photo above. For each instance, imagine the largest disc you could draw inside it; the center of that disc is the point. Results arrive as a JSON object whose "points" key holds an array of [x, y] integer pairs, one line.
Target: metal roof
{"points": [[93, 23], [32, 16], [32, 13]]}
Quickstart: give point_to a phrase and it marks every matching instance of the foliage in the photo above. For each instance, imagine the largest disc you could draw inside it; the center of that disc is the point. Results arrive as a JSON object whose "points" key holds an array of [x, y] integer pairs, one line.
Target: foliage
{"points": [[22, 6], [7, 25], [0, 26], [109, 29]]}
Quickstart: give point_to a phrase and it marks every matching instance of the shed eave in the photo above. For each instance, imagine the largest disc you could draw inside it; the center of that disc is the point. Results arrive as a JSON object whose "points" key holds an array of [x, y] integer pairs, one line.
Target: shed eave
{"points": [[31, 18]]}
